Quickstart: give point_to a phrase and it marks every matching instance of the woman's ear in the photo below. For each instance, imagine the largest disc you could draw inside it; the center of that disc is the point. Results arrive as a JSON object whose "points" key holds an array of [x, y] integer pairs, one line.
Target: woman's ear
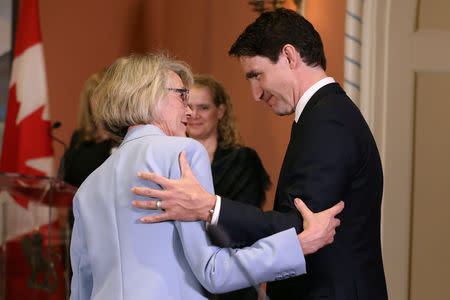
{"points": [[221, 111]]}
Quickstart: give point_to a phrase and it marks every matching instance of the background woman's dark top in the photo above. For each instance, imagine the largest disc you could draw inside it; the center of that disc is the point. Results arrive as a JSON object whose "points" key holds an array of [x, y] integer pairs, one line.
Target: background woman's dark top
{"points": [[238, 174], [81, 159]]}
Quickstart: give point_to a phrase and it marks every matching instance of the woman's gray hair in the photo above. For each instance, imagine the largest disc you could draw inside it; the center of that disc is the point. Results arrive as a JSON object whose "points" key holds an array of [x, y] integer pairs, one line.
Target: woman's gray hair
{"points": [[132, 90]]}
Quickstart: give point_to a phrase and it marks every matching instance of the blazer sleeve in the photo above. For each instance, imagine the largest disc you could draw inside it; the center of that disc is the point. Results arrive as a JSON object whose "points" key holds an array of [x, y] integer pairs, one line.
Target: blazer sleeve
{"points": [[319, 174], [245, 224], [274, 258], [82, 280]]}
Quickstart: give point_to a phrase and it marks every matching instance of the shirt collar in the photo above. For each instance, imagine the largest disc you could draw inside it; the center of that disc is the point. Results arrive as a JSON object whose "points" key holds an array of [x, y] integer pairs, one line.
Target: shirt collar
{"points": [[308, 94], [140, 131]]}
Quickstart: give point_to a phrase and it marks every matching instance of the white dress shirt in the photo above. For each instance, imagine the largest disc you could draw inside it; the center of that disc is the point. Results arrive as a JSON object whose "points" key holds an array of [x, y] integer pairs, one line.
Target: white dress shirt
{"points": [[308, 94]]}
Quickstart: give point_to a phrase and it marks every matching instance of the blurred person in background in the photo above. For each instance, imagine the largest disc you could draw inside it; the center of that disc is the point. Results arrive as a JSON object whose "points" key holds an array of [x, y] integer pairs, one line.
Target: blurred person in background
{"points": [[90, 145]]}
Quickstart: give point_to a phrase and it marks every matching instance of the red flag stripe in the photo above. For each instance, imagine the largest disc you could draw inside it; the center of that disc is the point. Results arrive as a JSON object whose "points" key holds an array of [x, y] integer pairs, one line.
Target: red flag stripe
{"points": [[28, 29]]}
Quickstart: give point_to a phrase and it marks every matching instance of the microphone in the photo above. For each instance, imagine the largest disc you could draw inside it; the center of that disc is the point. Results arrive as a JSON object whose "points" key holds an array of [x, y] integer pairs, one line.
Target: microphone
{"points": [[219, 237], [56, 125]]}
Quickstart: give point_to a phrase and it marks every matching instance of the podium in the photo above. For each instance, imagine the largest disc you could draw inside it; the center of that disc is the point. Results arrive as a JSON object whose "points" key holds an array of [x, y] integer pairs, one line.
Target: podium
{"points": [[34, 237]]}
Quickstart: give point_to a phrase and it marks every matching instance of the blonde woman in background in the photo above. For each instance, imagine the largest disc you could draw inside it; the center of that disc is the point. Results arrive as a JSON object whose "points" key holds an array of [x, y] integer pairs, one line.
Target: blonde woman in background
{"points": [[90, 146]]}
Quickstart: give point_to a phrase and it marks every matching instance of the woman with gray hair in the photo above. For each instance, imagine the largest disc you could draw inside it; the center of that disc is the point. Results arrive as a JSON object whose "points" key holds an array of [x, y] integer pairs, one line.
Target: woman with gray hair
{"points": [[144, 101]]}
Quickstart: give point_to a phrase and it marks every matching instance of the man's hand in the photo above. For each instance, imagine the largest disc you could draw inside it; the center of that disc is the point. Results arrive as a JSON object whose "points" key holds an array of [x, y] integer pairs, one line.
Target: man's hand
{"points": [[318, 228], [184, 199]]}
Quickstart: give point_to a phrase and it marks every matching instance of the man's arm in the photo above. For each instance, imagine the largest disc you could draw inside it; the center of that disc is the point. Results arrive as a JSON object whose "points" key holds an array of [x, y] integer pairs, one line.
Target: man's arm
{"points": [[246, 224], [185, 199], [276, 257]]}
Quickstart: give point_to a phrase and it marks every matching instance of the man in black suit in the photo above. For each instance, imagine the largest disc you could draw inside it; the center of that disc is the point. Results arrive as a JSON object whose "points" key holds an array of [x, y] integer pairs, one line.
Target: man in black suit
{"points": [[331, 156]]}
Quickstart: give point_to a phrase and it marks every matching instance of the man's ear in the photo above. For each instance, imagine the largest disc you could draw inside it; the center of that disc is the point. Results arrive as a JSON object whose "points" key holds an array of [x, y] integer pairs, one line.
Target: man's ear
{"points": [[291, 54], [221, 111]]}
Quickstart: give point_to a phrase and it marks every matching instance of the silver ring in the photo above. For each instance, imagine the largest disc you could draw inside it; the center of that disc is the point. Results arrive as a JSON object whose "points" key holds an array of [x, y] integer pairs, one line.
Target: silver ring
{"points": [[158, 204]]}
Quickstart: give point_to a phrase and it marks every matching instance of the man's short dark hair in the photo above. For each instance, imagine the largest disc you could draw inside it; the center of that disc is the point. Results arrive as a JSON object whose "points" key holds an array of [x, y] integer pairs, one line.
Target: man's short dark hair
{"points": [[268, 34]]}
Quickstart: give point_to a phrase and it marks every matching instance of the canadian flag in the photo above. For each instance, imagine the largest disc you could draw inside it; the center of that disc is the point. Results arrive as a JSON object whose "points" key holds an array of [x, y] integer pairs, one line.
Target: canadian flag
{"points": [[27, 149]]}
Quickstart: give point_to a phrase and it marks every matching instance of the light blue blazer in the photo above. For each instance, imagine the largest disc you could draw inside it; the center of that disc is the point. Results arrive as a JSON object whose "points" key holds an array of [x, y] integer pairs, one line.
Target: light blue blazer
{"points": [[115, 256]]}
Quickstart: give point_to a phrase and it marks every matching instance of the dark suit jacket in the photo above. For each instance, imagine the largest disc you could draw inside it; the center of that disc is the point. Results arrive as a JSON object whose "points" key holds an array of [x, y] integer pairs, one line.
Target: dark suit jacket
{"points": [[331, 156]]}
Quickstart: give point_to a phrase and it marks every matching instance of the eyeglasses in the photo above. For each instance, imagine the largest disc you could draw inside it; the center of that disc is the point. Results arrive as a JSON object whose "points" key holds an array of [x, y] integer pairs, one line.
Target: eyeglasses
{"points": [[184, 95]]}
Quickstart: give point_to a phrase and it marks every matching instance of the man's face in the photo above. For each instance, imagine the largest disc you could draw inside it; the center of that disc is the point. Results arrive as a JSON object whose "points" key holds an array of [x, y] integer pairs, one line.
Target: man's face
{"points": [[271, 83]]}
